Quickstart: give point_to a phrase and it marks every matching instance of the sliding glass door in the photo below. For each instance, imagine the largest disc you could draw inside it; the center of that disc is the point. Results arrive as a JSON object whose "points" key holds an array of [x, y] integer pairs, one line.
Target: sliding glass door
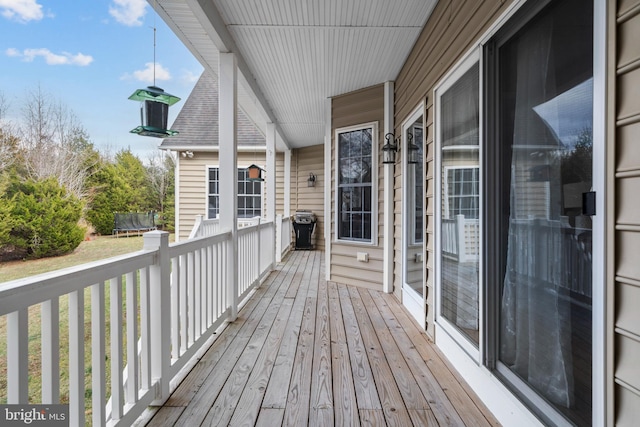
{"points": [[514, 143], [542, 91]]}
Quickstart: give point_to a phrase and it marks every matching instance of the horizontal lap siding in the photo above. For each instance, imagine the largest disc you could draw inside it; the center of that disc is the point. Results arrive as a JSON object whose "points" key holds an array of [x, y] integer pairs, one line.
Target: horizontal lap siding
{"points": [[450, 32], [626, 246], [363, 106], [192, 185]]}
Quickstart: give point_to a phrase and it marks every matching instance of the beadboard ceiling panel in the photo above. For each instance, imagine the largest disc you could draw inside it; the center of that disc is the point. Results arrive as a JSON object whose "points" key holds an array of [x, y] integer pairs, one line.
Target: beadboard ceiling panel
{"points": [[295, 54]]}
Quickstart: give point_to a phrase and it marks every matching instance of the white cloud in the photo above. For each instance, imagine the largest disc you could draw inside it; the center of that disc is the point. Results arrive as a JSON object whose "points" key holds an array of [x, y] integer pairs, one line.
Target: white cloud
{"points": [[146, 75], [128, 12], [21, 10], [64, 58], [189, 77]]}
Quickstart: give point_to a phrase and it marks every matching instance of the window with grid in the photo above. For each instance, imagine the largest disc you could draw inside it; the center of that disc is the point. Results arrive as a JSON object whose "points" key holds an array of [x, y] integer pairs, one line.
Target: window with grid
{"points": [[249, 195], [463, 192], [355, 186]]}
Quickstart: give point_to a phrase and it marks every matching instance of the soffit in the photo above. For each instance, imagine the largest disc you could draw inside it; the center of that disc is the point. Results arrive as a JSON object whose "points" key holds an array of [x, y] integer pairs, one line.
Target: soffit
{"points": [[298, 53]]}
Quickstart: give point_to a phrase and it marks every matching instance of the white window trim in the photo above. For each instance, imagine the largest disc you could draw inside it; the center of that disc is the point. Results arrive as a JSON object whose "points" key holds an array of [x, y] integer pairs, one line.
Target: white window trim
{"points": [[374, 184], [243, 165], [452, 77]]}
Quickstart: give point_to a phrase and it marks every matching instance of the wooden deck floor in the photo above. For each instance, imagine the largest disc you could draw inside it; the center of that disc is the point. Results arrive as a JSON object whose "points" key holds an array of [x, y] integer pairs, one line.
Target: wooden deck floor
{"points": [[307, 352]]}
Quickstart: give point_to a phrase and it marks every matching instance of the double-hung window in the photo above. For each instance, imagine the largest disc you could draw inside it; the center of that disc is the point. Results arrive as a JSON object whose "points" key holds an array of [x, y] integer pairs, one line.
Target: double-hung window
{"points": [[356, 177], [249, 195]]}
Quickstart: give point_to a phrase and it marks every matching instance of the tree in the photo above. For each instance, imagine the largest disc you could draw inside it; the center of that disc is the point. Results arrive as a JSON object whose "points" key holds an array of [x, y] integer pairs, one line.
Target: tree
{"points": [[44, 218], [161, 183], [130, 167], [109, 193], [54, 143], [8, 140]]}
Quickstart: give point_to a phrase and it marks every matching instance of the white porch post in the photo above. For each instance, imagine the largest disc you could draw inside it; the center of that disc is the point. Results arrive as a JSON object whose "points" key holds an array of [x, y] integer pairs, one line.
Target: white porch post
{"points": [[271, 172], [327, 187], [287, 183], [280, 242], [387, 254], [228, 193], [160, 320], [271, 186]]}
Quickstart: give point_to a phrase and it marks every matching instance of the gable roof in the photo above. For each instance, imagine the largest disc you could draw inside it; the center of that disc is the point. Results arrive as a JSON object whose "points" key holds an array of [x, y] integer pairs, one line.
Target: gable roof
{"points": [[197, 122]]}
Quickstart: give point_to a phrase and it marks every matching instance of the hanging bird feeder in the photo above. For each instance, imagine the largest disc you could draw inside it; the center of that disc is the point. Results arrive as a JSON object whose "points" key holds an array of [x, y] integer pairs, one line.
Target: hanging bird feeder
{"points": [[154, 112], [255, 173]]}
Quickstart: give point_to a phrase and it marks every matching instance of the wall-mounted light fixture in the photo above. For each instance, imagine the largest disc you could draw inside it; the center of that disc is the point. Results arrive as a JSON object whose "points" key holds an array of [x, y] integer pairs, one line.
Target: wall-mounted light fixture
{"points": [[412, 150], [311, 181], [389, 149], [187, 154]]}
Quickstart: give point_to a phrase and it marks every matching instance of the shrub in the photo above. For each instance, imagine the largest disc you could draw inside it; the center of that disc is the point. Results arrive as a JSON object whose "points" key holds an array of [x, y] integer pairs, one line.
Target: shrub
{"points": [[44, 218], [109, 193]]}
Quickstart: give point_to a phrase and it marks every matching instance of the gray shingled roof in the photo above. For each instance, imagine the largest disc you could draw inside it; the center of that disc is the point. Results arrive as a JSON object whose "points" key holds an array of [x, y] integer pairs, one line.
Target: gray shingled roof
{"points": [[197, 122]]}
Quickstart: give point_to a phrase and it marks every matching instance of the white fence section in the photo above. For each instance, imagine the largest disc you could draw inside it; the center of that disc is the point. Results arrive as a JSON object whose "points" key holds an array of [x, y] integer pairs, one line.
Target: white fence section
{"points": [[139, 317]]}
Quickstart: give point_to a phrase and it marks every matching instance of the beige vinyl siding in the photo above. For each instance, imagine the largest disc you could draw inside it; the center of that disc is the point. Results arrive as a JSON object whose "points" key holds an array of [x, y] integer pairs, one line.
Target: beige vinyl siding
{"points": [[450, 32], [309, 159], [625, 66], [356, 108], [192, 182]]}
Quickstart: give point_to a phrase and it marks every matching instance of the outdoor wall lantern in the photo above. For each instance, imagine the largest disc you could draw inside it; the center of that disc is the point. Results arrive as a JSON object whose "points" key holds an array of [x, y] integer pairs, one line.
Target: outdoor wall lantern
{"points": [[255, 173], [154, 112], [389, 149], [311, 181], [413, 150], [187, 154]]}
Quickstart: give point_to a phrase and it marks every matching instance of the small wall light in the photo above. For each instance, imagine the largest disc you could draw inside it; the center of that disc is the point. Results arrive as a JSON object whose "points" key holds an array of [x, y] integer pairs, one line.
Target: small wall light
{"points": [[255, 173], [413, 149], [311, 181], [187, 154], [389, 149]]}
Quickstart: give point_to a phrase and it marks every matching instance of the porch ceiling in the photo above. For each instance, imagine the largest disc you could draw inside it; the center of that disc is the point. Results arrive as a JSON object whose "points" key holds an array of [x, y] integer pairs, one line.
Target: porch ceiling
{"points": [[294, 54]]}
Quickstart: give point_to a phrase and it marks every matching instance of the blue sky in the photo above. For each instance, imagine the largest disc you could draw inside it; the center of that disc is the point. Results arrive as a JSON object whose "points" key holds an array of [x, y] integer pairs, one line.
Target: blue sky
{"points": [[90, 56]]}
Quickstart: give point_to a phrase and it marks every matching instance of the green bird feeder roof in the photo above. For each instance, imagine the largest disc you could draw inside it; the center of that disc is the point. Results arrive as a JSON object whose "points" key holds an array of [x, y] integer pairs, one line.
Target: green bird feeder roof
{"points": [[154, 93]]}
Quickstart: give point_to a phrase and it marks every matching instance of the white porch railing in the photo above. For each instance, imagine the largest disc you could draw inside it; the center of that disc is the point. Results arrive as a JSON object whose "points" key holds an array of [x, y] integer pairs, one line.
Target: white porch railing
{"points": [[208, 227], [460, 238], [146, 314]]}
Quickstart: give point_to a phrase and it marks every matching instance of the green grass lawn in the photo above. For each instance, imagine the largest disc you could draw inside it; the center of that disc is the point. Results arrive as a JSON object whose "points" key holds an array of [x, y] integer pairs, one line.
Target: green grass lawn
{"points": [[92, 250]]}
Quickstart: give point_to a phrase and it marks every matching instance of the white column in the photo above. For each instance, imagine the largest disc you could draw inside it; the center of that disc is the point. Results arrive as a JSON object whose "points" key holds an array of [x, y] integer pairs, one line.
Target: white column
{"points": [[271, 172], [160, 304], [327, 187], [287, 183], [228, 191], [387, 251], [271, 187]]}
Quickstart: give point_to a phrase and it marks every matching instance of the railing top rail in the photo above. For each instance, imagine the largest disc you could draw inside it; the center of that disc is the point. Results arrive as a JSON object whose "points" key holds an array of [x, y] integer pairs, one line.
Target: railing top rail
{"points": [[180, 248], [22, 293]]}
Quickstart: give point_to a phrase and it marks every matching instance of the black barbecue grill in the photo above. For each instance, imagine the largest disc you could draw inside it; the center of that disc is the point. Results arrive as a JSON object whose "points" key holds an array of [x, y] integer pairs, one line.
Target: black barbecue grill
{"points": [[304, 224]]}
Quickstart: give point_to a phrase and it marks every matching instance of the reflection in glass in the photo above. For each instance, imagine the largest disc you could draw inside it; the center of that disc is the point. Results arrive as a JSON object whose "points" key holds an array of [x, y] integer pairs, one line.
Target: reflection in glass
{"points": [[545, 107], [460, 191], [414, 265]]}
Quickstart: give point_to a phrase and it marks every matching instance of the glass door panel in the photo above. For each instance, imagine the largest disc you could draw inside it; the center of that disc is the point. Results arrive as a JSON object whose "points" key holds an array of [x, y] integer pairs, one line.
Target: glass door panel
{"points": [[545, 109], [460, 196], [413, 196]]}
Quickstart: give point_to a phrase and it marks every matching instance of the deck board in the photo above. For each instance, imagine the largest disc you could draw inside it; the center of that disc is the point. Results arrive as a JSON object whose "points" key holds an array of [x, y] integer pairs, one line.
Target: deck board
{"points": [[305, 351]]}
